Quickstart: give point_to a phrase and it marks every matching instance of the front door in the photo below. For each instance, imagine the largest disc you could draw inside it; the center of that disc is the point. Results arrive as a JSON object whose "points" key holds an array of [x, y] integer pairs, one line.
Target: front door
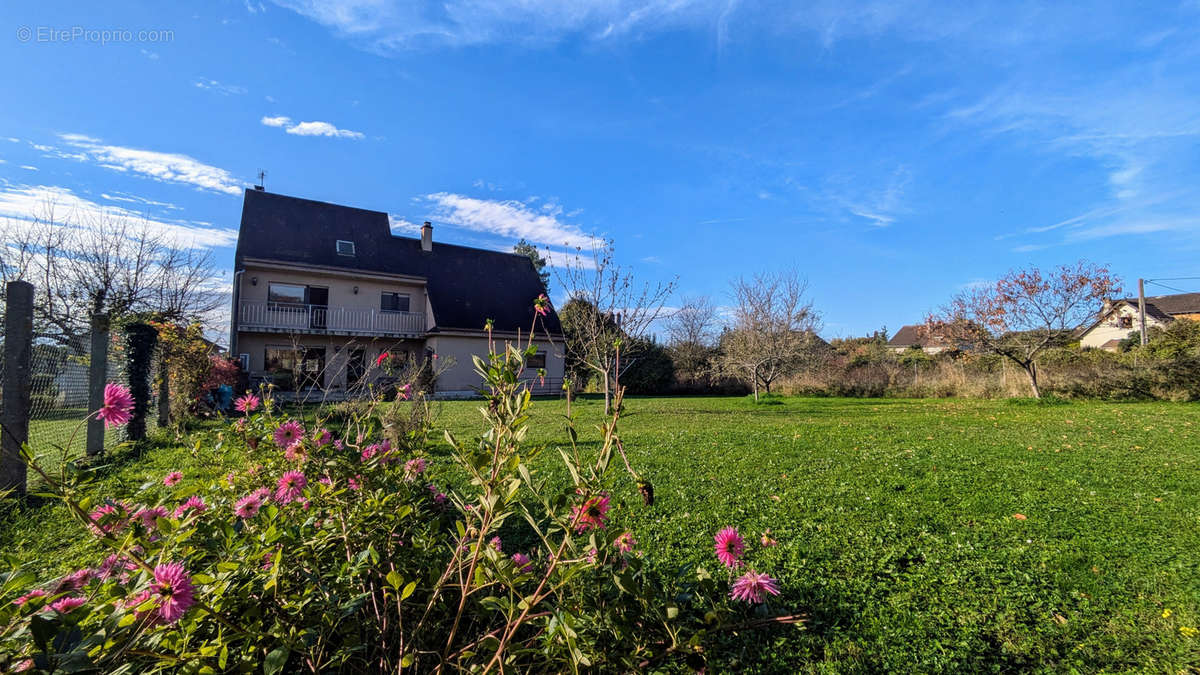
{"points": [[318, 301]]}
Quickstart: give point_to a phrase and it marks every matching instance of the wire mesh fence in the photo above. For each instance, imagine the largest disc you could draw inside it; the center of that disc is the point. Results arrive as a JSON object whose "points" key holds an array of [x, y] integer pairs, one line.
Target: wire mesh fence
{"points": [[59, 399]]}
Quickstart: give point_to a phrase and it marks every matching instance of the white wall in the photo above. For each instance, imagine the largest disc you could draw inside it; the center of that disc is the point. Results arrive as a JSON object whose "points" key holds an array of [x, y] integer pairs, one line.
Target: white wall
{"points": [[1112, 329], [462, 376]]}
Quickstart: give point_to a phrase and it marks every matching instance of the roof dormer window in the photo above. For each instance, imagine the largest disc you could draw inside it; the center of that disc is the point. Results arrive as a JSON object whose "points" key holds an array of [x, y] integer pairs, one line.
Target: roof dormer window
{"points": [[345, 247]]}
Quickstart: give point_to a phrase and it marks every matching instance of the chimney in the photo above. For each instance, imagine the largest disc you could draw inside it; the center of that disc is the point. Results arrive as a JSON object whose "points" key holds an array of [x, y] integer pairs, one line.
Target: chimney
{"points": [[427, 237]]}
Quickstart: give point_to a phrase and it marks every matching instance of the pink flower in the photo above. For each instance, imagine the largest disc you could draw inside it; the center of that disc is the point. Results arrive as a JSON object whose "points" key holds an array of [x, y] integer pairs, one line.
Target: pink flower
{"points": [[108, 518], [113, 562], [496, 543], [35, 593], [625, 543], [751, 586], [591, 554], [325, 480], [324, 438], [767, 541], [290, 487], [77, 579], [354, 482], [383, 356], [369, 452], [246, 404], [137, 600], [415, 466], [338, 444], [248, 506], [730, 547], [149, 516], [173, 588], [289, 434], [193, 503], [405, 392], [438, 496], [65, 605], [591, 514], [295, 453], [230, 478], [173, 478], [522, 562], [541, 305], [118, 406]]}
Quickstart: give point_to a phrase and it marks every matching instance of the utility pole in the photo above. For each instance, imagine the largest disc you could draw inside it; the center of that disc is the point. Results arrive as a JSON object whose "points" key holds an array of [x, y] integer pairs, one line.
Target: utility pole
{"points": [[1142, 309]]}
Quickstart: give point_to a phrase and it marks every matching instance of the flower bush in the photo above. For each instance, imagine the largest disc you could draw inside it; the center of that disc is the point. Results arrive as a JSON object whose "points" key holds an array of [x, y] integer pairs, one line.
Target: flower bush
{"points": [[351, 549]]}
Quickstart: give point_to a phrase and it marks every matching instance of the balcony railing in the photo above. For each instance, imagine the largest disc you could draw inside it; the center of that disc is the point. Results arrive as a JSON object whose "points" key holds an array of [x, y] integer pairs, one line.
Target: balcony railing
{"points": [[289, 317]]}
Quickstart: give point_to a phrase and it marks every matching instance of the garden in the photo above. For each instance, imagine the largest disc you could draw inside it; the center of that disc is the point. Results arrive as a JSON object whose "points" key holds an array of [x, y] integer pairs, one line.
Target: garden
{"points": [[900, 535]]}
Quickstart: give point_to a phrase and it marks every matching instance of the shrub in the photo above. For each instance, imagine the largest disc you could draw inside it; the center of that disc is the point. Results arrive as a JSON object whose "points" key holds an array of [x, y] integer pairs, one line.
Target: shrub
{"points": [[356, 553]]}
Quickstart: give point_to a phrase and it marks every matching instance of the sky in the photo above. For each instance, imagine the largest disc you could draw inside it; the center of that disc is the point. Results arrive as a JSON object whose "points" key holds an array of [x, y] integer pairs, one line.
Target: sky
{"points": [[894, 153]]}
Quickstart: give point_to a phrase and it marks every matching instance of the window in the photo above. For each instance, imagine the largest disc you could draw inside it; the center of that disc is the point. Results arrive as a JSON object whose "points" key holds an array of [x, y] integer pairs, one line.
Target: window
{"points": [[1125, 322], [536, 361], [345, 247], [286, 294], [393, 302]]}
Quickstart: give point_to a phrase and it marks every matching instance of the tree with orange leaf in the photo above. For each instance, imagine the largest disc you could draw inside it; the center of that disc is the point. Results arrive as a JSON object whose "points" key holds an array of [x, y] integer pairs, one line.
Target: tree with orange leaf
{"points": [[1025, 312]]}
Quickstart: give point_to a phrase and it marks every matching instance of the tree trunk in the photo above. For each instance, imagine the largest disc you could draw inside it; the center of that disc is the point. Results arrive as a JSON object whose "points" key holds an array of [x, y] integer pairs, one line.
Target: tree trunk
{"points": [[1031, 371], [754, 379]]}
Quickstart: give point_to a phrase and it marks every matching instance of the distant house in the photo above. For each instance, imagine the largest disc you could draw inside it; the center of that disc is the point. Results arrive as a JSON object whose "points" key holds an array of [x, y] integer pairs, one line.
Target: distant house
{"points": [[321, 291], [913, 335], [1119, 318]]}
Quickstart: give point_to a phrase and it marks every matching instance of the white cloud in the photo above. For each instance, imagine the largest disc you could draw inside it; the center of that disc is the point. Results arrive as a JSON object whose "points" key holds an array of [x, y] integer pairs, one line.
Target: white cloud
{"points": [[310, 128], [27, 167], [135, 199], [153, 56], [322, 129], [24, 203], [161, 166], [508, 218], [388, 26], [401, 226], [218, 87]]}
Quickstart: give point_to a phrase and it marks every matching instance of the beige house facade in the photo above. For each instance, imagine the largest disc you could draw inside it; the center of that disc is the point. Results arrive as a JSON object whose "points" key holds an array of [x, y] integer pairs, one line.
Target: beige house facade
{"points": [[1120, 318], [322, 290]]}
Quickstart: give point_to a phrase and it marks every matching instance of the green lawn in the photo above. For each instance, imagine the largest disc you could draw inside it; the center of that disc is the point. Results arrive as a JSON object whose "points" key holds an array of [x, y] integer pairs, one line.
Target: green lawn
{"points": [[895, 522]]}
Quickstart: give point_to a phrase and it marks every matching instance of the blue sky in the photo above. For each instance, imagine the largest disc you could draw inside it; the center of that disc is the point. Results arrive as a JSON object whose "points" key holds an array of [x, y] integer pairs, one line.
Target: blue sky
{"points": [[894, 152]]}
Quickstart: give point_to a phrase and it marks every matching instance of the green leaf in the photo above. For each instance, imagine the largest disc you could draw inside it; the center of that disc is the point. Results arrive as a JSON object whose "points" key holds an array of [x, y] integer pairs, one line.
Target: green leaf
{"points": [[275, 661], [395, 580], [408, 590]]}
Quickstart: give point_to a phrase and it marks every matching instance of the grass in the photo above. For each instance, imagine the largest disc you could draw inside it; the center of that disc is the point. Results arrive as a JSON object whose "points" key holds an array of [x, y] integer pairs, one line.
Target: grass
{"points": [[895, 522]]}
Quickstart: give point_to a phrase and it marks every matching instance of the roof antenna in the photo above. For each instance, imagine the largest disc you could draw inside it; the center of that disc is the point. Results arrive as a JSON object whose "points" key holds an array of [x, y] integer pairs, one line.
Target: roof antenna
{"points": [[262, 181]]}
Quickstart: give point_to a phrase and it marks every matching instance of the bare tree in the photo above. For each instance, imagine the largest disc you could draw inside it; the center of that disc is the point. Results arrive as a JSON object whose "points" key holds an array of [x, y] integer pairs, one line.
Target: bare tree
{"points": [[95, 262], [613, 310], [1025, 312], [691, 335], [774, 329]]}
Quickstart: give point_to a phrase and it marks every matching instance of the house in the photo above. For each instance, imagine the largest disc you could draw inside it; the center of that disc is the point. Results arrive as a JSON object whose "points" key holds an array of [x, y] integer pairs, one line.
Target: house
{"points": [[321, 291], [914, 335], [1119, 318]]}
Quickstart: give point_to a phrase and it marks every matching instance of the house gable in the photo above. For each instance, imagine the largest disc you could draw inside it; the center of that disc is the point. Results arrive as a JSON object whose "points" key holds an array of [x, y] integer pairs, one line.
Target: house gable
{"points": [[466, 286]]}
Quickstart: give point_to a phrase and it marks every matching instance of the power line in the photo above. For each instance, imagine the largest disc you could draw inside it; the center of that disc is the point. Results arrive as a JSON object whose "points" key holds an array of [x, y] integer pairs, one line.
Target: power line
{"points": [[1150, 281], [1170, 288]]}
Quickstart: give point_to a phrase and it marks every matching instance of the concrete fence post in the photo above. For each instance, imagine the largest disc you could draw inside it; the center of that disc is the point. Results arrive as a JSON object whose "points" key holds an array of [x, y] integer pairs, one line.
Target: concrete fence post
{"points": [[17, 386], [97, 378]]}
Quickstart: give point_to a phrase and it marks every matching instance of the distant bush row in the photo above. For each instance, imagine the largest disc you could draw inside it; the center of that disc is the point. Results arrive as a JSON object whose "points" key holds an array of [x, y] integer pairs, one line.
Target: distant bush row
{"points": [[1167, 368]]}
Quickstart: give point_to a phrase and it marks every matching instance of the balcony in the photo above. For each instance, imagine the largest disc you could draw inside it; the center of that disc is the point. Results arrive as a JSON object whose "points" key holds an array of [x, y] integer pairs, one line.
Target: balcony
{"points": [[279, 317]]}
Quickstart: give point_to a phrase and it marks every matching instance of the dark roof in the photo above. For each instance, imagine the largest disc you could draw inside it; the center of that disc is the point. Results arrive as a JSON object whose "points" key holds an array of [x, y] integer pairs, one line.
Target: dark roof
{"points": [[466, 285], [1181, 303], [907, 336]]}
